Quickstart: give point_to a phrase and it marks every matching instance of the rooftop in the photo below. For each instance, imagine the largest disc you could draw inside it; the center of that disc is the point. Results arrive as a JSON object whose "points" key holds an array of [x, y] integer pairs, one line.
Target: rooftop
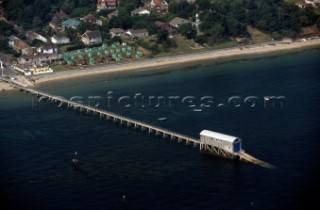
{"points": [[93, 34], [219, 135], [71, 22], [90, 17]]}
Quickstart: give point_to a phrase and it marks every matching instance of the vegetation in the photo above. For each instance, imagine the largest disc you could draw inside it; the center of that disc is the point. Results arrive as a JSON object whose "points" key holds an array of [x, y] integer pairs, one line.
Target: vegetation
{"points": [[221, 20]]}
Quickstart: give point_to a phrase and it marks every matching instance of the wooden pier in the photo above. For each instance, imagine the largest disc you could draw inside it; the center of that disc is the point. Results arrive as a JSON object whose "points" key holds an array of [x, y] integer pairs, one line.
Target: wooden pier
{"points": [[158, 131]]}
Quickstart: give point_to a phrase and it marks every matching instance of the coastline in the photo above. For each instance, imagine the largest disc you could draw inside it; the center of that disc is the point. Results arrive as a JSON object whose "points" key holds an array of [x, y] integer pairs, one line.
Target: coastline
{"points": [[165, 62]]}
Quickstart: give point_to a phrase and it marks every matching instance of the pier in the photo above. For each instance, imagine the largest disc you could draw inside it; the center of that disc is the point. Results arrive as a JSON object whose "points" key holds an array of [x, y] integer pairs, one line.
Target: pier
{"points": [[158, 131]]}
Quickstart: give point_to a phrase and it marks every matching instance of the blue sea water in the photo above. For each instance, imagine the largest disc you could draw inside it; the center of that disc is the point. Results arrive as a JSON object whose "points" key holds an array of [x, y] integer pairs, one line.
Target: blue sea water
{"points": [[38, 140]]}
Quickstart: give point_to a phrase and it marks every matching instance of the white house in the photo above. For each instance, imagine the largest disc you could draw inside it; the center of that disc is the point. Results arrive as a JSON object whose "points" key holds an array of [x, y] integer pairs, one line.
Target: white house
{"points": [[116, 32], [60, 39], [48, 49], [12, 40], [91, 37], [177, 22], [33, 35], [140, 11], [138, 32]]}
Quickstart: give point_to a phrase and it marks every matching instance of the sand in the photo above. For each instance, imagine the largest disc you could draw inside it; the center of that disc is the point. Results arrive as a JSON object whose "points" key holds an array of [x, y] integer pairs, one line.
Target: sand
{"points": [[5, 86], [155, 63]]}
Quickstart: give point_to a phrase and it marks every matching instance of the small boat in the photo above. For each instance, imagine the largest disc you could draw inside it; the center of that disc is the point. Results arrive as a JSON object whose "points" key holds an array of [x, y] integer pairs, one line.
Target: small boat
{"points": [[197, 110], [75, 161], [162, 118]]}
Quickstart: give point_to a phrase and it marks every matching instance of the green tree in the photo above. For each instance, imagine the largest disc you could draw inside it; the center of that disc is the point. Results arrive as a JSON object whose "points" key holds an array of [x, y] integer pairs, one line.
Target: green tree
{"points": [[5, 28], [4, 44], [187, 30], [162, 35], [217, 32], [202, 39]]}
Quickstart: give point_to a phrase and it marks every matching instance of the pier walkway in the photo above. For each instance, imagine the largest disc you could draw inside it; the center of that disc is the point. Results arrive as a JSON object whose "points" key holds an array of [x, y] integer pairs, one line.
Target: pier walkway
{"points": [[158, 131]]}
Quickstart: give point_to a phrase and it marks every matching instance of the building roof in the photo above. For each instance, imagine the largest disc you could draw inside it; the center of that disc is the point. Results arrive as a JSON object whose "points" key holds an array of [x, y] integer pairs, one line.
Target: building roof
{"points": [[220, 136], [60, 15], [158, 2], [178, 21], [90, 17], [71, 22], [116, 30], [159, 23], [138, 31], [47, 47], [138, 10], [56, 37], [114, 13], [92, 34], [13, 38]]}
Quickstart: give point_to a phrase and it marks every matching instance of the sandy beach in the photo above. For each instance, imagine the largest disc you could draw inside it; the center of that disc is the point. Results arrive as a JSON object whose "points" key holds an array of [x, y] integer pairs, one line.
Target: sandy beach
{"points": [[161, 62], [5, 86]]}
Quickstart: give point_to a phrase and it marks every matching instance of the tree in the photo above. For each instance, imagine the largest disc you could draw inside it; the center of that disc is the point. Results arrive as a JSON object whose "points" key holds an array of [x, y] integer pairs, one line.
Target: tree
{"points": [[201, 39], [162, 35], [4, 44], [152, 28], [187, 30], [217, 32], [204, 4], [5, 28]]}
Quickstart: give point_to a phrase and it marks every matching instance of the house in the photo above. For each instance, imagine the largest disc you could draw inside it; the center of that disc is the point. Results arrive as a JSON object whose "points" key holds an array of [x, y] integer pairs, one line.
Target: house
{"points": [[140, 11], [70, 23], [28, 51], [12, 40], [41, 68], [39, 58], [60, 39], [56, 21], [116, 32], [48, 49], [107, 4], [18, 44], [158, 6], [113, 14], [59, 16], [90, 18], [23, 68], [56, 27], [308, 4], [31, 35], [91, 37], [165, 26], [176, 22], [138, 32]]}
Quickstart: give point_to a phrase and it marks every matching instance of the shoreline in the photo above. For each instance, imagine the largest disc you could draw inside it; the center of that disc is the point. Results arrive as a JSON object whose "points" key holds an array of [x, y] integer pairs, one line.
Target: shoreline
{"points": [[185, 59]]}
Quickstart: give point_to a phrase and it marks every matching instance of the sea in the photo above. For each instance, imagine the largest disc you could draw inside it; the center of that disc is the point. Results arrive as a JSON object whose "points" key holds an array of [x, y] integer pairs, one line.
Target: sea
{"points": [[270, 102]]}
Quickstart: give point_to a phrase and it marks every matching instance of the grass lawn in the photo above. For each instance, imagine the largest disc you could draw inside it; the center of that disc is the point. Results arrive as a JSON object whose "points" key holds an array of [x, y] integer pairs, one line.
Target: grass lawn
{"points": [[59, 67], [183, 46], [257, 35]]}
